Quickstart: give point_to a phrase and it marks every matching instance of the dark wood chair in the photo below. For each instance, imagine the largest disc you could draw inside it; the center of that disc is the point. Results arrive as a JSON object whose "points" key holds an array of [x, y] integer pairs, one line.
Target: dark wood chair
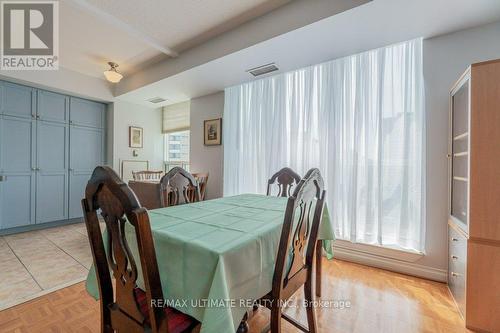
{"points": [[148, 193], [147, 175], [285, 179], [202, 179], [296, 252], [176, 186], [126, 308]]}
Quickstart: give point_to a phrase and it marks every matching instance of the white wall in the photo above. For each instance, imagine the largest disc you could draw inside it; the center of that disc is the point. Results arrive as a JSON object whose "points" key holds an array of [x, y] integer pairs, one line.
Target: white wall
{"points": [[207, 158], [64, 81], [445, 59], [122, 115]]}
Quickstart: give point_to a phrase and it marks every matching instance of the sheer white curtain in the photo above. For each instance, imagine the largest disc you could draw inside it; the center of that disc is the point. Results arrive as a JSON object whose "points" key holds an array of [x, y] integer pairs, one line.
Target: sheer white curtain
{"points": [[360, 120]]}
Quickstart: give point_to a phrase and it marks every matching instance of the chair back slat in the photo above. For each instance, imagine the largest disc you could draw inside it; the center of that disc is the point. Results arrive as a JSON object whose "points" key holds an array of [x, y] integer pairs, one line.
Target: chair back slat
{"points": [[286, 179], [299, 233], [147, 175], [120, 209], [202, 179], [177, 186]]}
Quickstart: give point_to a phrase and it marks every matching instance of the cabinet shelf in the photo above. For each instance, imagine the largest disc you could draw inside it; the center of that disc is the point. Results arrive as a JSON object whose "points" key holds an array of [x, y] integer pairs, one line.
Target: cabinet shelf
{"points": [[462, 179], [461, 136]]}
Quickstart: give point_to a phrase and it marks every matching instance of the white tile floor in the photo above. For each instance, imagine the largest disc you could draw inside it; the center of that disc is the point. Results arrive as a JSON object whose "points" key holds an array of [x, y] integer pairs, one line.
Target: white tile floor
{"points": [[36, 262]]}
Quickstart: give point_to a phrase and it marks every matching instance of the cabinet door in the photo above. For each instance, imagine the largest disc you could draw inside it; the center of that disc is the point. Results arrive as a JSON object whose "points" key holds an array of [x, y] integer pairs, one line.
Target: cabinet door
{"points": [[86, 152], [17, 185], [460, 105], [52, 172], [52, 107], [17, 100], [86, 113]]}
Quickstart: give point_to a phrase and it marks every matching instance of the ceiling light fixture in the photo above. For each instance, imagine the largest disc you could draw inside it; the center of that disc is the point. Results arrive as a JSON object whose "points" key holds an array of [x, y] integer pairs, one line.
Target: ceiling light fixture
{"points": [[112, 74]]}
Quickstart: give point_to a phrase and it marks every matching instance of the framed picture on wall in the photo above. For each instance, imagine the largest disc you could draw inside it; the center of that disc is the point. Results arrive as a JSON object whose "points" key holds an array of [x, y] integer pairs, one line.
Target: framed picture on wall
{"points": [[212, 132], [135, 137]]}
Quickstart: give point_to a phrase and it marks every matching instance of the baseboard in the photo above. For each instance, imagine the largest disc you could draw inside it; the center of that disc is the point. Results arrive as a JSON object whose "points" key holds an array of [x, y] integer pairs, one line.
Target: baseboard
{"points": [[430, 273], [32, 227]]}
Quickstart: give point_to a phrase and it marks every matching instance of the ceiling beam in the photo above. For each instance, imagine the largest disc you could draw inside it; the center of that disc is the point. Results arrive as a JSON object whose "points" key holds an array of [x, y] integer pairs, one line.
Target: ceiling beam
{"points": [[125, 27]]}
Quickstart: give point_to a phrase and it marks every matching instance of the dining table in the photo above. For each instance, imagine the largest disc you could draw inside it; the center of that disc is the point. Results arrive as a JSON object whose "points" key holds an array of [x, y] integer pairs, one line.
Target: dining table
{"points": [[216, 257]]}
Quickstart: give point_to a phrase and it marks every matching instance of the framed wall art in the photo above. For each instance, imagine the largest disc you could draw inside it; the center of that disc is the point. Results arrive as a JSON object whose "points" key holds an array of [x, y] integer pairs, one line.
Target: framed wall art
{"points": [[212, 132], [135, 137]]}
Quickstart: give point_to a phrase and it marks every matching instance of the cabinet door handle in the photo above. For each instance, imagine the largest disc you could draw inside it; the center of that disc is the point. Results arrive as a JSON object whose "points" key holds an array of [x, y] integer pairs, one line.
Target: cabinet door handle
{"points": [[454, 239], [454, 274], [454, 257]]}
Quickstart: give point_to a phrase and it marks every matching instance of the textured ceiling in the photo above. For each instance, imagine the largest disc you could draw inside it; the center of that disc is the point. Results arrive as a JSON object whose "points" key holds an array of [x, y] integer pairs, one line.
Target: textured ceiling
{"points": [[376, 24], [180, 24], [87, 43], [93, 32]]}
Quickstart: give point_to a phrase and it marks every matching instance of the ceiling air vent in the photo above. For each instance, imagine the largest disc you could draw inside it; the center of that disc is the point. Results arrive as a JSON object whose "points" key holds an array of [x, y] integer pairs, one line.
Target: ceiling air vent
{"points": [[156, 100], [264, 69]]}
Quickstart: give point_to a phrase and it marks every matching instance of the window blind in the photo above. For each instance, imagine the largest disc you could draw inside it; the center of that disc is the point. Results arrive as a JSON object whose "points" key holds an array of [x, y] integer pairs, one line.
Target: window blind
{"points": [[176, 117]]}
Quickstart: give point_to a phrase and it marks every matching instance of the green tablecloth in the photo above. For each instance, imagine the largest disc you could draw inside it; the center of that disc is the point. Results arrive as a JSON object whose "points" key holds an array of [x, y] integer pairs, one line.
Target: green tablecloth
{"points": [[216, 256]]}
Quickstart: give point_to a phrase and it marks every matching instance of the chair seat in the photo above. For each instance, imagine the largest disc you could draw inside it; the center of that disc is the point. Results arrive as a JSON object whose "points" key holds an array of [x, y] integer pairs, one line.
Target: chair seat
{"points": [[178, 322]]}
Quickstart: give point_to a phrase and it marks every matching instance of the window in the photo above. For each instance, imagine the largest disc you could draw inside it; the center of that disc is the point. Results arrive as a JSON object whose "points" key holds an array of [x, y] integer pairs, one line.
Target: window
{"points": [[360, 120], [177, 150]]}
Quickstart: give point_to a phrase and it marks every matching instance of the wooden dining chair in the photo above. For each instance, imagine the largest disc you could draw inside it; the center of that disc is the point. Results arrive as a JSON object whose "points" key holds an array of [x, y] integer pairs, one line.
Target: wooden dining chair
{"points": [[296, 252], [175, 187], [147, 175], [285, 179], [202, 178], [126, 308], [148, 193]]}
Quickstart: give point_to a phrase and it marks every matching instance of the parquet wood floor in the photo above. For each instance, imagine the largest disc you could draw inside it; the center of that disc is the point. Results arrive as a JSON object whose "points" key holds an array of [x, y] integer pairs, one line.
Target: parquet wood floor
{"points": [[380, 301]]}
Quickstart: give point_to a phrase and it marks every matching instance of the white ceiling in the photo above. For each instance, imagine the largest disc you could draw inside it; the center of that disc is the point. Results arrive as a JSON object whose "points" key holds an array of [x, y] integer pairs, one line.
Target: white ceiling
{"points": [[136, 34], [182, 24], [376, 24]]}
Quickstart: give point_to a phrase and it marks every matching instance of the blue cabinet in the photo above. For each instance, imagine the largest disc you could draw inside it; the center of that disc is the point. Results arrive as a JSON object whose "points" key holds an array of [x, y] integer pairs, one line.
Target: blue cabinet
{"points": [[52, 107], [17, 172], [17, 100], [86, 113], [49, 145], [52, 172], [85, 154]]}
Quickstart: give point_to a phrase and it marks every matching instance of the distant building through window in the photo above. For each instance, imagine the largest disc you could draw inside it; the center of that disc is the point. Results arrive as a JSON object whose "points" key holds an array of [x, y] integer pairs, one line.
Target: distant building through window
{"points": [[177, 150]]}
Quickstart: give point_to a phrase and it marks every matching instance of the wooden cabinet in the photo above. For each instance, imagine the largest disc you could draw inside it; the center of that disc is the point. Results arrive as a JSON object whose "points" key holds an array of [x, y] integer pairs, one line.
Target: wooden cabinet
{"points": [[474, 196], [457, 250], [49, 145]]}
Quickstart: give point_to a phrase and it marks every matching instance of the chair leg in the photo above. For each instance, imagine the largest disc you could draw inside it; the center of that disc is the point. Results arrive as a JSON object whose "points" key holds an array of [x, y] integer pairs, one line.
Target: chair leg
{"points": [[276, 319], [319, 252], [243, 327], [308, 293]]}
